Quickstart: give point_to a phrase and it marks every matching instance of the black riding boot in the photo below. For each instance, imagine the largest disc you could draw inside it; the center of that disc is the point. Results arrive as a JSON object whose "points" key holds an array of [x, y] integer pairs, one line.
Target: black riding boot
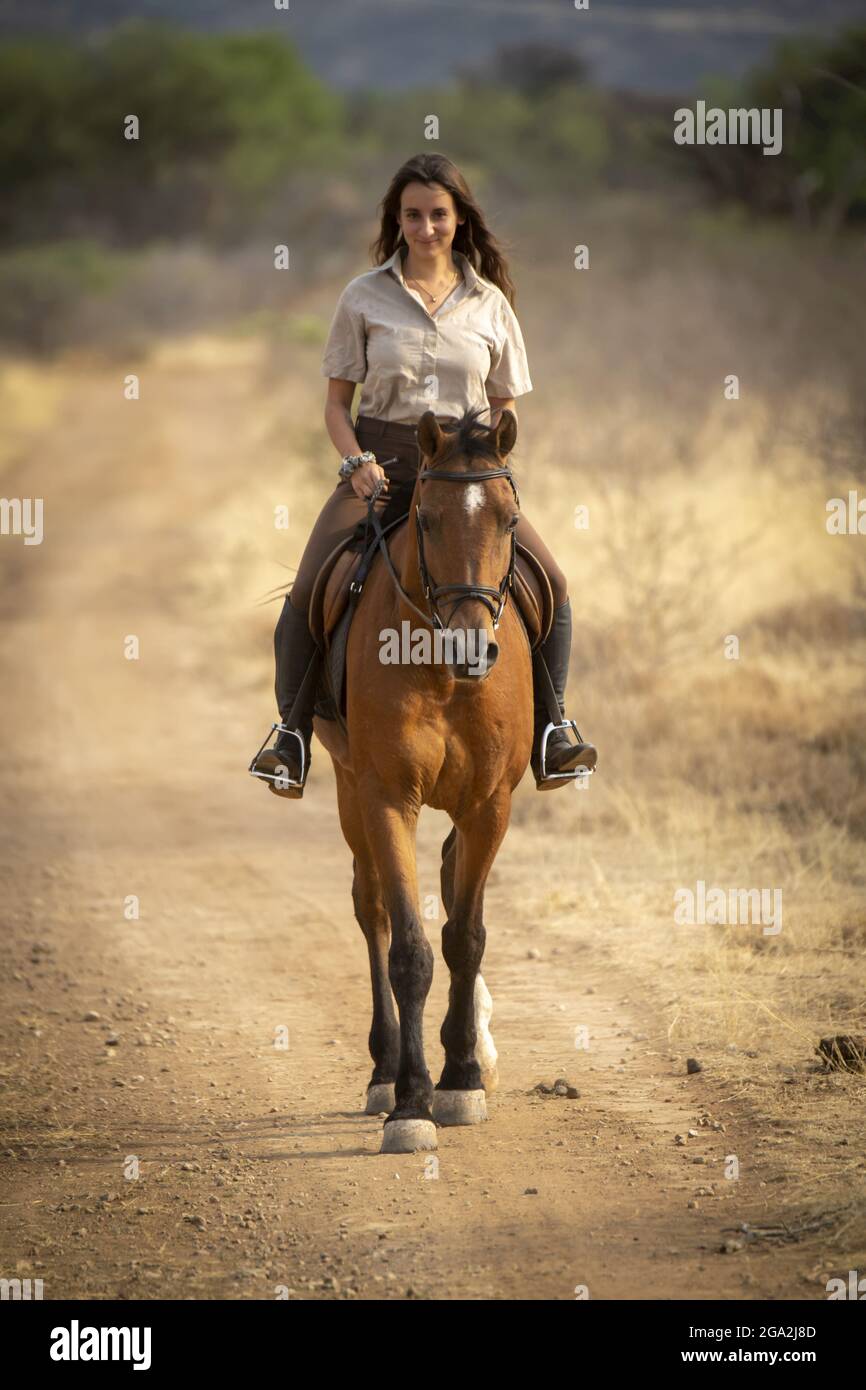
{"points": [[294, 649], [561, 755]]}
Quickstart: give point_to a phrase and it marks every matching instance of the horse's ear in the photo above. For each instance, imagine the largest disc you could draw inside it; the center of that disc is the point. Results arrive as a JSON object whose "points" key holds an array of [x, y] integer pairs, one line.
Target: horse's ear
{"points": [[505, 433], [429, 434]]}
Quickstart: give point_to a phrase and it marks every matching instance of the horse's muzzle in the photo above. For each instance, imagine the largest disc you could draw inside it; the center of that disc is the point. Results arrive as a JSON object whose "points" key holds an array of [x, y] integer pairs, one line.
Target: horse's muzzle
{"points": [[479, 669]]}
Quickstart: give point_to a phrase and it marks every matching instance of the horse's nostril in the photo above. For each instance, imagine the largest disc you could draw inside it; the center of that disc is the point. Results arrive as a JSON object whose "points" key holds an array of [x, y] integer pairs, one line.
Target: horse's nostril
{"points": [[479, 667]]}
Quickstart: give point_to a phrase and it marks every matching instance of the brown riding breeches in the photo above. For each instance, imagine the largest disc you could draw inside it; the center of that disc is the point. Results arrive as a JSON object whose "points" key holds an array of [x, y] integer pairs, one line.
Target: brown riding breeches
{"points": [[344, 509]]}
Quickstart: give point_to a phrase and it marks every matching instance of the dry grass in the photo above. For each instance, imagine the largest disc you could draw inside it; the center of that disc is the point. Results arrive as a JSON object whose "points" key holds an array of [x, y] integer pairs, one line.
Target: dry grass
{"points": [[707, 520]]}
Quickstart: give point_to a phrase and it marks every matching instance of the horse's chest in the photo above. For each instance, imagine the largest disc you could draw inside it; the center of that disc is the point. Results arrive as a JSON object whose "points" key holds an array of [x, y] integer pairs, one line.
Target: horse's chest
{"points": [[456, 760]]}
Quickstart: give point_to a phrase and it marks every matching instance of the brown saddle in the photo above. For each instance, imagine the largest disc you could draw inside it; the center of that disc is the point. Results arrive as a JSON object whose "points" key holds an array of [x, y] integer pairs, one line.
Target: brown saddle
{"points": [[331, 613], [330, 594]]}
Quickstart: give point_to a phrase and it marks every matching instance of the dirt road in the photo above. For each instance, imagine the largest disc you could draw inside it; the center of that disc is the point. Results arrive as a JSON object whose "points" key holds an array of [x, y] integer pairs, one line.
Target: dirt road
{"points": [[156, 1142]]}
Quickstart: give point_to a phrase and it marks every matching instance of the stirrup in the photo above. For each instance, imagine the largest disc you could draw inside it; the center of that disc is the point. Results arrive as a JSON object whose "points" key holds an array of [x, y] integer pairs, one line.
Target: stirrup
{"points": [[577, 772], [281, 780]]}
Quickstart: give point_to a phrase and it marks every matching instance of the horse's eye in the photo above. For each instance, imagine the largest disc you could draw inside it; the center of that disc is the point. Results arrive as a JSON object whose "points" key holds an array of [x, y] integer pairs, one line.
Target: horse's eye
{"points": [[423, 522], [512, 525]]}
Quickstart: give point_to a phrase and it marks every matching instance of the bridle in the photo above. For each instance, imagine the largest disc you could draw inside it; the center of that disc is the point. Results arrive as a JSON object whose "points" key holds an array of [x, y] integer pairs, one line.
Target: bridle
{"points": [[493, 599]]}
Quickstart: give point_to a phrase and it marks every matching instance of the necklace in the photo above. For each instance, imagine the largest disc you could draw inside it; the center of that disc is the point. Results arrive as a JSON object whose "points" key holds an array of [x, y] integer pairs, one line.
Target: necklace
{"points": [[434, 298]]}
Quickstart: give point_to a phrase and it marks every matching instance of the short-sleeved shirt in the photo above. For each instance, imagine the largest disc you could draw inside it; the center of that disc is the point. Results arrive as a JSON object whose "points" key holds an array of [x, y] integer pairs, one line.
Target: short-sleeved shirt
{"points": [[411, 360]]}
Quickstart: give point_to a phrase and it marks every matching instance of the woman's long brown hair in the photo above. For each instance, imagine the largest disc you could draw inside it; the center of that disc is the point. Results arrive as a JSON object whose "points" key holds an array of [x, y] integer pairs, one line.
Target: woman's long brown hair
{"points": [[474, 238]]}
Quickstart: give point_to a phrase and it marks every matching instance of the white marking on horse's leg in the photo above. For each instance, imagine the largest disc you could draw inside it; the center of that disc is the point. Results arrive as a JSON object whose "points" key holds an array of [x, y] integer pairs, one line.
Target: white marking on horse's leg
{"points": [[380, 1098], [459, 1107], [408, 1136], [485, 1052], [473, 498]]}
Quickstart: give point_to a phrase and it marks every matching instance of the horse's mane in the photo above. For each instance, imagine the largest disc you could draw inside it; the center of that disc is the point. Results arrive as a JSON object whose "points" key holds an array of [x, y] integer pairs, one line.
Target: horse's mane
{"points": [[467, 438]]}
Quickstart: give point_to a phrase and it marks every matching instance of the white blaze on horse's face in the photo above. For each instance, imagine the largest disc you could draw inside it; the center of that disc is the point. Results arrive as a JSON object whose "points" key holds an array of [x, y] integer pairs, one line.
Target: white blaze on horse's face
{"points": [[473, 498]]}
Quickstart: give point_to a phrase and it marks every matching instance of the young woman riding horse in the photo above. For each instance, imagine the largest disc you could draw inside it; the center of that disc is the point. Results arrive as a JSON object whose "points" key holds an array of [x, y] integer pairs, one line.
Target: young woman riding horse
{"points": [[431, 327]]}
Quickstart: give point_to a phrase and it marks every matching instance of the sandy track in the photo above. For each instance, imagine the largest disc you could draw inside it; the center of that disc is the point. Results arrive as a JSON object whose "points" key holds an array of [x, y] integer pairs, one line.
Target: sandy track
{"points": [[256, 1168]]}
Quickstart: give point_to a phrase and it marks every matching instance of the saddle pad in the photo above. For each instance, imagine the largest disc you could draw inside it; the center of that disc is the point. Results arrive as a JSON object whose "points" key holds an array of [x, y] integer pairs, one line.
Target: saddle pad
{"points": [[331, 587], [534, 595]]}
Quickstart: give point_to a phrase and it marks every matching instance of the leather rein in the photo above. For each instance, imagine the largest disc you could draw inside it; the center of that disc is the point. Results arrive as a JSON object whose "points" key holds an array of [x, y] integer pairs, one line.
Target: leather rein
{"points": [[494, 599]]}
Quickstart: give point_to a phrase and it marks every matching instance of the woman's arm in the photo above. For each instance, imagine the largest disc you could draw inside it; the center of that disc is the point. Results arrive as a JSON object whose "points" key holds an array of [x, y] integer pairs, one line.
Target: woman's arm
{"points": [[338, 422], [338, 416], [497, 405]]}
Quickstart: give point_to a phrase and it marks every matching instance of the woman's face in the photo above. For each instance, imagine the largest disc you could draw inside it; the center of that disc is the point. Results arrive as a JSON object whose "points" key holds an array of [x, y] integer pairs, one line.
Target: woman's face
{"points": [[428, 219]]}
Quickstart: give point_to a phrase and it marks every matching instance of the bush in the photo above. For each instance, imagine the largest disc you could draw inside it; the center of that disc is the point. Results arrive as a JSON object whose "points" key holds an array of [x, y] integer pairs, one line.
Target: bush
{"points": [[222, 120], [819, 178], [42, 288]]}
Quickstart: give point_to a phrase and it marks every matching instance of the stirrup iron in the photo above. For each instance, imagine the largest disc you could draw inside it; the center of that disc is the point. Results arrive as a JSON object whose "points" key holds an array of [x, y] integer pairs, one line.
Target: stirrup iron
{"points": [[577, 772], [281, 780]]}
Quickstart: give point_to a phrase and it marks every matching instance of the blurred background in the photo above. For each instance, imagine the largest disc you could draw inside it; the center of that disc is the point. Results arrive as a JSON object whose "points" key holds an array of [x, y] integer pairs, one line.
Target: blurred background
{"points": [[707, 516]]}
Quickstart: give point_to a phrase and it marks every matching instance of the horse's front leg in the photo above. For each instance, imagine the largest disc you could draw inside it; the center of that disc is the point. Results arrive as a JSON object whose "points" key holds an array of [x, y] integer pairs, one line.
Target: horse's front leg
{"points": [[372, 915], [391, 835], [460, 1092]]}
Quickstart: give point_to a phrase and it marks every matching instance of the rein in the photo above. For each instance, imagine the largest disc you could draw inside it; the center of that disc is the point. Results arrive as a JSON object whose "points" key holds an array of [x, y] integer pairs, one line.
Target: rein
{"points": [[494, 600]]}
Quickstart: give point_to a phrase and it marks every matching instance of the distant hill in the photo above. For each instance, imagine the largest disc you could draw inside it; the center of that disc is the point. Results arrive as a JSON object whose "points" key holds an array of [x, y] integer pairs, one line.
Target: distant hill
{"points": [[641, 46]]}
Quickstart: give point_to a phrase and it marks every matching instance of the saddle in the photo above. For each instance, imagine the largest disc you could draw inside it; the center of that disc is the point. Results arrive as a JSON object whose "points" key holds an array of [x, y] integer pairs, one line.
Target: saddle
{"points": [[331, 611]]}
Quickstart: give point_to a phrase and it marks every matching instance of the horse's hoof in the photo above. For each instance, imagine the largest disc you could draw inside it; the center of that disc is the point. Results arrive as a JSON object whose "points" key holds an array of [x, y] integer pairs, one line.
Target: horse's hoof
{"points": [[408, 1136], [459, 1107], [380, 1098]]}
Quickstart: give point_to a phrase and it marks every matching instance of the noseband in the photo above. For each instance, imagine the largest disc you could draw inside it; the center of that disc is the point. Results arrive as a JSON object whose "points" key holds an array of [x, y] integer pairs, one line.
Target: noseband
{"points": [[493, 599]]}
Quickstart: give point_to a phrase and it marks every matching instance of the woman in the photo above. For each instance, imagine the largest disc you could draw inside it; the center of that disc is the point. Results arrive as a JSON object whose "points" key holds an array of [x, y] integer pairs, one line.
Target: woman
{"points": [[426, 329]]}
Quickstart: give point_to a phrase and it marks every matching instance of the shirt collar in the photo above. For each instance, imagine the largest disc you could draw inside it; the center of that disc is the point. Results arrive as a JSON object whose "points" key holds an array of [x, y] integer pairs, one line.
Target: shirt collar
{"points": [[395, 265]]}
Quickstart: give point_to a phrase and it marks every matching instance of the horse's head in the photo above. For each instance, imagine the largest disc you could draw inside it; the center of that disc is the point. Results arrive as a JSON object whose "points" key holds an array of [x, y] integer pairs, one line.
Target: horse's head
{"points": [[467, 509]]}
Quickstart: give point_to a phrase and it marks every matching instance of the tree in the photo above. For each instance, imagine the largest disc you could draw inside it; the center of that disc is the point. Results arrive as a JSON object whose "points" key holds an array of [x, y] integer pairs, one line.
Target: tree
{"points": [[531, 69]]}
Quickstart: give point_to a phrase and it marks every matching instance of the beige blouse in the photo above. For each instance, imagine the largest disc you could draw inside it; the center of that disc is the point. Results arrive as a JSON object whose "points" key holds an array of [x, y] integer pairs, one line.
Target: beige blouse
{"points": [[410, 360]]}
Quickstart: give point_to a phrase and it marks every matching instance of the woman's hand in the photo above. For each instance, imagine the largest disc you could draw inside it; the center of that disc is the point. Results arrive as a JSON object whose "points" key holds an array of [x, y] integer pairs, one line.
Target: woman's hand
{"points": [[365, 478]]}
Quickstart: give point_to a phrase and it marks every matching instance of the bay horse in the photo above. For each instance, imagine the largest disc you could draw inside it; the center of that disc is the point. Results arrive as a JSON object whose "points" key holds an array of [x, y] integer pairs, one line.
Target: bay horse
{"points": [[447, 735]]}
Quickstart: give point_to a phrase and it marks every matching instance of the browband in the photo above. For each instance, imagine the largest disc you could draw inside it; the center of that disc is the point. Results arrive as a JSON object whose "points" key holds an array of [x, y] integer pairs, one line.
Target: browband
{"points": [[481, 476]]}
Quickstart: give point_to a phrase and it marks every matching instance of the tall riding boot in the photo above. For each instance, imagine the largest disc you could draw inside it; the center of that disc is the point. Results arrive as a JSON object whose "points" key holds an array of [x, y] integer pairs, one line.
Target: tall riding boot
{"points": [[288, 761], [561, 755]]}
